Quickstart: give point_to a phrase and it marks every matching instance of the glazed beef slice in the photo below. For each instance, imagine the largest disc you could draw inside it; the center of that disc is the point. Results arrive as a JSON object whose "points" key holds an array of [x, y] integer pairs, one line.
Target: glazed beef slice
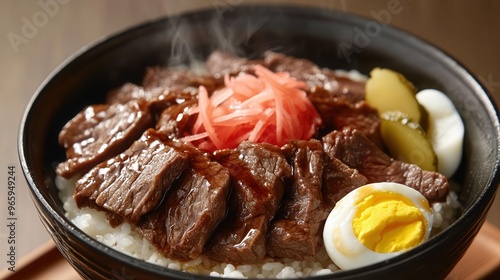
{"points": [[221, 63], [320, 81], [101, 132], [339, 180], [296, 231], [134, 182], [174, 119], [195, 204], [337, 114], [128, 92], [358, 152], [162, 88], [258, 172], [180, 80]]}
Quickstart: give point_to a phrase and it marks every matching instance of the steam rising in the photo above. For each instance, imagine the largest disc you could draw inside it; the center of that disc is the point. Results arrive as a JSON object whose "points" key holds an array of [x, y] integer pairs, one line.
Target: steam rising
{"points": [[191, 43], [226, 30]]}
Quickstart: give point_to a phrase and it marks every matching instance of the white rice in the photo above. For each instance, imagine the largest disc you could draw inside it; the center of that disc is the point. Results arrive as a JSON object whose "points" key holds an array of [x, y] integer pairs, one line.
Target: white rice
{"points": [[124, 239]]}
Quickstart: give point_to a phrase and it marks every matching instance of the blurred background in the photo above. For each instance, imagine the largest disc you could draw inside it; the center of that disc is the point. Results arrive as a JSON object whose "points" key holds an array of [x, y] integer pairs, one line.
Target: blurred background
{"points": [[37, 36]]}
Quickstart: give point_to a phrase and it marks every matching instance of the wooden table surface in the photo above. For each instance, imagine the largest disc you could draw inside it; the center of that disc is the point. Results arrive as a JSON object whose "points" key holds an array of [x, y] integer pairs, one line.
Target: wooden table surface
{"points": [[36, 36]]}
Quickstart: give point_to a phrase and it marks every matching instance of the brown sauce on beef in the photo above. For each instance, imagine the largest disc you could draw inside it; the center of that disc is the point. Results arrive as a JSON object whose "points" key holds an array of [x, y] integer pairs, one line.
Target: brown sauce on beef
{"points": [[234, 205], [295, 233], [100, 132], [134, 182], [193, 207], [358, 152], [258, 172]]}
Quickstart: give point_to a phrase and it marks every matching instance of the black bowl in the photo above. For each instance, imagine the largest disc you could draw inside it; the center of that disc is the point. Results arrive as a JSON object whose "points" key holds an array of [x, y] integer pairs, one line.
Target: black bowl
{"points": [[331, 39]]}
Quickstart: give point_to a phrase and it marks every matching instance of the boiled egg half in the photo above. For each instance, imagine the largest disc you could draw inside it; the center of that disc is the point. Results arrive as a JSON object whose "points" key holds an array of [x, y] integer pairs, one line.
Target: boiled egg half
{"points": [[446, 129], [376, 222]]}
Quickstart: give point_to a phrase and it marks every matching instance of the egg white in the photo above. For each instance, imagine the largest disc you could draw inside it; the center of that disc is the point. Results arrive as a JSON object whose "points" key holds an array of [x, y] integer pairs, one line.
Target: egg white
{"points": [[445, 131], [341, 243]]}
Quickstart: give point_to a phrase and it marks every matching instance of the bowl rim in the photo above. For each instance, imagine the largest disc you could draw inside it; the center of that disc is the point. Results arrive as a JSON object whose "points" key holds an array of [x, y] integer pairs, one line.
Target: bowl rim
{"points": [[480, 92]]}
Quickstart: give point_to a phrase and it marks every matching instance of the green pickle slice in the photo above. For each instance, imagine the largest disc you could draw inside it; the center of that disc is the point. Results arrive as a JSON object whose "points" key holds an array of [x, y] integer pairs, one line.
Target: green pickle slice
{"points": [[388, 90], [406, 140]]}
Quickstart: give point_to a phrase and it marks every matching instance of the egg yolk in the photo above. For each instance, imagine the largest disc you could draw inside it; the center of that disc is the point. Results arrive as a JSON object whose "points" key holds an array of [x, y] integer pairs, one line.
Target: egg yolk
{"points": [[388, 222]]}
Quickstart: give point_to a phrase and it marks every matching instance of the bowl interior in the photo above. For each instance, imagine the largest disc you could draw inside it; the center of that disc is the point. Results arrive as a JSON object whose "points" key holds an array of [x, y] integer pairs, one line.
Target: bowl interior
{"points": [[330, 39]]}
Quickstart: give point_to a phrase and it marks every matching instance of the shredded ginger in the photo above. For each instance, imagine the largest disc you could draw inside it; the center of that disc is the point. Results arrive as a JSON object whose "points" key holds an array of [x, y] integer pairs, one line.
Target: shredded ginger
{"points": [[269, 107]]}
